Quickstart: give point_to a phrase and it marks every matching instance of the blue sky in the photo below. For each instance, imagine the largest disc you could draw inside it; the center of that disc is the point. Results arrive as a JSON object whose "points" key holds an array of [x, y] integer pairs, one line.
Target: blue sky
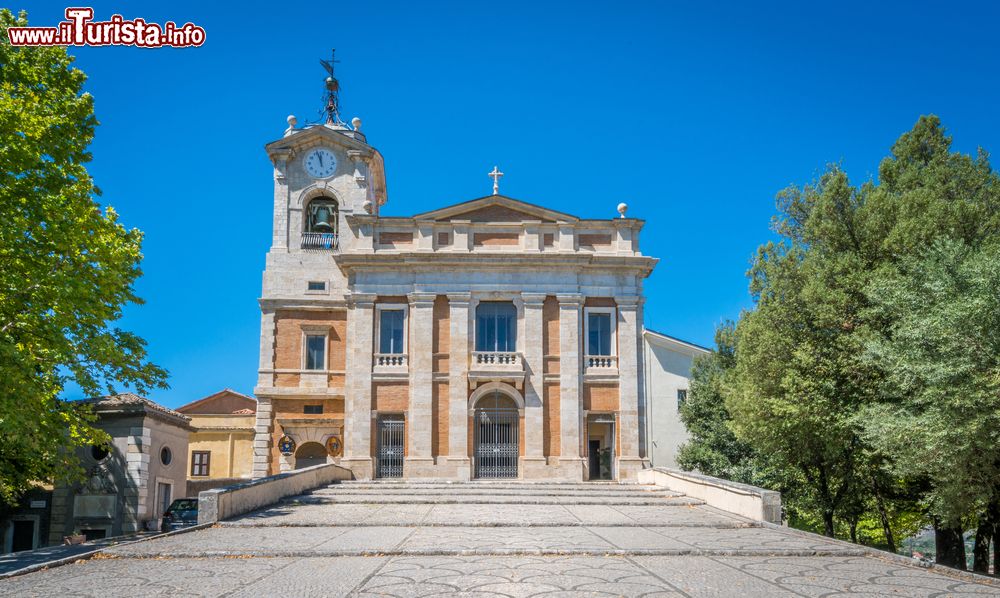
{"points": [[693, 113]]}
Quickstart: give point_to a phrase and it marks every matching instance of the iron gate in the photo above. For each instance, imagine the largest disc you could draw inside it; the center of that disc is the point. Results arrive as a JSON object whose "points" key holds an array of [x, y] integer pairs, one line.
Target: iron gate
{"points": [[390, 447], [496, 438]]}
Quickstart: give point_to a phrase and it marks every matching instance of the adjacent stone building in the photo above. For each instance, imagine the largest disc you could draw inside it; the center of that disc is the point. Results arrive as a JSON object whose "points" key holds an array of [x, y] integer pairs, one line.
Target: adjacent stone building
{"points": [[130, 483], [488, 338], [220, 449]]}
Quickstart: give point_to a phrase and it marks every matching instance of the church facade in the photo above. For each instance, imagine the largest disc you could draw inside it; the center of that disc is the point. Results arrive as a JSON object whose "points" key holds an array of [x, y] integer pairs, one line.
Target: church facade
{"points": [[490, 338]]}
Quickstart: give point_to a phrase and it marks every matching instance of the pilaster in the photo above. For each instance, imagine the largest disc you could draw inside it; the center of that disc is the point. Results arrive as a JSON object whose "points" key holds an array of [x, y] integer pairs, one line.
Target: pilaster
{"points": [[630, 383], [358, 385], [264, 376], [279, 237], [570, 396], [458, 387], [263, 425], [534, 370], [419, 461]]}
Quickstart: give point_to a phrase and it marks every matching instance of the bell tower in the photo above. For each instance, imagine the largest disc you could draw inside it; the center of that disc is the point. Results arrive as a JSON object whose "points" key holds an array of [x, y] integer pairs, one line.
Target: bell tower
{"points": [[323, 172]]}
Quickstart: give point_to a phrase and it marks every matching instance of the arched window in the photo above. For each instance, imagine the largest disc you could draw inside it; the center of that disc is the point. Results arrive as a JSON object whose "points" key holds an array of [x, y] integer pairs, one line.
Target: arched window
{"points": [[321, 216], [320, 226]]}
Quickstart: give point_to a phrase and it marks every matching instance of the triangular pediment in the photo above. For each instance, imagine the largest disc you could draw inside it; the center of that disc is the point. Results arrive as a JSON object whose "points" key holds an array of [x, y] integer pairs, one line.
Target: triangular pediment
{"points": [[496, 208], [308, 135], [224, 402]]}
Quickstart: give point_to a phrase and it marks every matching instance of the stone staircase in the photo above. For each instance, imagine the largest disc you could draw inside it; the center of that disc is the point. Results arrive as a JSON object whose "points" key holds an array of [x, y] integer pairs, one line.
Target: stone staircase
{"points": [[401, 518], [492, 539]]}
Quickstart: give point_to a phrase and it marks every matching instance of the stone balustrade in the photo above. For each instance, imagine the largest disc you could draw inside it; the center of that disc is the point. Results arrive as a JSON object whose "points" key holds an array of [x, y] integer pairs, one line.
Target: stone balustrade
{"points": [[390, 362], [601, 363], [497, 360]]}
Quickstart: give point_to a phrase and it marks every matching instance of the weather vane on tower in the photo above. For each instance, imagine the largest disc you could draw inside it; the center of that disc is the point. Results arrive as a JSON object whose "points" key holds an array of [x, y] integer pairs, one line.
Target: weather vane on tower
{"points": [[332, 88]]}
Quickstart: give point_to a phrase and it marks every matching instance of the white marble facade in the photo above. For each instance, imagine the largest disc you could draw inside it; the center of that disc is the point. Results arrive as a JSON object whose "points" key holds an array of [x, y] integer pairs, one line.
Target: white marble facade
{"points": [[575, 398]]}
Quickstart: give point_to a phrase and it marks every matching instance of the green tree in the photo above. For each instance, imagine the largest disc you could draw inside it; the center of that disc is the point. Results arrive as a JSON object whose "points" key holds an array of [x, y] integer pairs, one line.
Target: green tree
{"points": [[67, 269], [713, 449], [802, 383], [942, 357]]}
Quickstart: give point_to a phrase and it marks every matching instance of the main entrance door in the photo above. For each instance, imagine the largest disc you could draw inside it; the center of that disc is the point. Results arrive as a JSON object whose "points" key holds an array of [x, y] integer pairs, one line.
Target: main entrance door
{"points": [[390, 446], [496, 424]]}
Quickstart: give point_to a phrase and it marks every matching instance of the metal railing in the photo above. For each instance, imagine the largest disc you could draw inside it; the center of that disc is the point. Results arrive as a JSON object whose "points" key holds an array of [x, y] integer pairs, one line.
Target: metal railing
{"points": [[328, 241], [390, 446]]}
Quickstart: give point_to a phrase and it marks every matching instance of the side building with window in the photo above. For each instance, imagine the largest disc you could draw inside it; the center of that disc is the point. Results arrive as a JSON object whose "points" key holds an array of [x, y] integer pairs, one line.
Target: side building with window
{"points": [[220, 451], [668, 371], [491, 338], [130, 483]]}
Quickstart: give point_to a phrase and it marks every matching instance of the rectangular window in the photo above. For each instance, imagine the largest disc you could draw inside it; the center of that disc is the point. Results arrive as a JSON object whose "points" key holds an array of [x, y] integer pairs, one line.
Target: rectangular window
{"points": [[316, 285], [312, 409], [200, 461], [599, 334], [390, 331], [315, 352], [444, 239], [682, 396], [496, 326]]}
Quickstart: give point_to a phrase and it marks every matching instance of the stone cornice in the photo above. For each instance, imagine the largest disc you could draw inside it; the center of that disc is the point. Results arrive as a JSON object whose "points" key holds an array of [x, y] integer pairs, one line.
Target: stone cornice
{"points": [[305, 304], [493, 260]]}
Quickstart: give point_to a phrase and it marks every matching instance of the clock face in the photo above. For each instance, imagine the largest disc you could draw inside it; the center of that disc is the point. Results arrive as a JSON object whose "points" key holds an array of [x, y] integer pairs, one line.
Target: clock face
{"points": [[320, 163]]}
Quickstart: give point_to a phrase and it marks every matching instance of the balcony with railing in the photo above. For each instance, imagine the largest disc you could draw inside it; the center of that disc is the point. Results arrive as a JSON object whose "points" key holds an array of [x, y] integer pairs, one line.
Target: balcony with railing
{"points": [[325, 241], [497, 366], [601, 365], [390, 363]]}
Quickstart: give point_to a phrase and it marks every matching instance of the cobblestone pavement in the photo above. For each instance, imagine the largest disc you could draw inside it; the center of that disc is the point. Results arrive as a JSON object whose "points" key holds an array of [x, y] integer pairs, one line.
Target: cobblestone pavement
{"points": [[571, 547]]}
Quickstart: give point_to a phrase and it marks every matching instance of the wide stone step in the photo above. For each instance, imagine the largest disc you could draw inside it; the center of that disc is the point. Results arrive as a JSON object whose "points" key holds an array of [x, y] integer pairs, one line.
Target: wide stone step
{"points": [[489, 499], [484, 491], [464, 541], [497, 485], [480, 515]]}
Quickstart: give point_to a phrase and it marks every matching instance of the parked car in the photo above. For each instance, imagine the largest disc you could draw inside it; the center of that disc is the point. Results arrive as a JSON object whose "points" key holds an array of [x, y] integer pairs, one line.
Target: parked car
{"points": [[181, 513]]}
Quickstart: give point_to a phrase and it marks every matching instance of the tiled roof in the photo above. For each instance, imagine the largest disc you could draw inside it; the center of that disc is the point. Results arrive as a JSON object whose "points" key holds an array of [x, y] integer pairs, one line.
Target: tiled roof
{"points": [[126, 400]]}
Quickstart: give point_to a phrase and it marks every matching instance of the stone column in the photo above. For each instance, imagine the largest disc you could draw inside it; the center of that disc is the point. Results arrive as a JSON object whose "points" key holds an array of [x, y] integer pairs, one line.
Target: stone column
{"points": [[570, 398], [534, 458], [358, 385], [630, 384], [458, 385], [419, 461]]}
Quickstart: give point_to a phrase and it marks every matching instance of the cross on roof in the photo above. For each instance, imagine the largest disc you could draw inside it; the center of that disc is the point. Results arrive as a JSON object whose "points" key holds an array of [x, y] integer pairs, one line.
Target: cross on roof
{"points": [[495, 175]]}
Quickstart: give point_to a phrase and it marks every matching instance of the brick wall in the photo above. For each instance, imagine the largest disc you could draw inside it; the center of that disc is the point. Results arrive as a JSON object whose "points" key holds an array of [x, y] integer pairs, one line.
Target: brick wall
{"points": [[550, 335], [442, 334], [288, 342], [495, 239], [600, 397], [439, 415], [391, 397], [550, 414]]}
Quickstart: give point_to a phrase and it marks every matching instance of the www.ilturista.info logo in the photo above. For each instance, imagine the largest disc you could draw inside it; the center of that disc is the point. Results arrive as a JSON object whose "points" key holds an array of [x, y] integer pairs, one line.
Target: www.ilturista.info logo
{"points": [[79, 29]]}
